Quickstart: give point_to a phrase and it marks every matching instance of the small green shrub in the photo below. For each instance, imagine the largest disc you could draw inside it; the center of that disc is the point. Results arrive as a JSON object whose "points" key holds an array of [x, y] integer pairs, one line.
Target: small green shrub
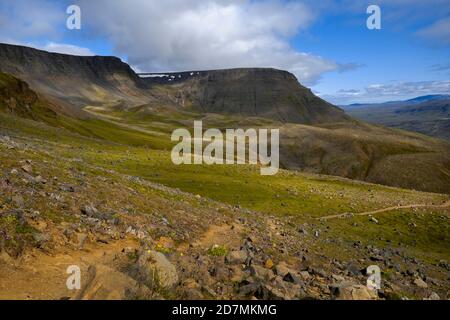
{"points": [[217, 251]]}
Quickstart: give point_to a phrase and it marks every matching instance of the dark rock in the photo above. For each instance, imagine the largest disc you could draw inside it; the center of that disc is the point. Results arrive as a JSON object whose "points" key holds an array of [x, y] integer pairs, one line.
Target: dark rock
{"points": [[376, 258], [261, 273], [39, 179], [249, 289], [318, 272], [353, 269], [303, 231], [292, 278], [444, 264], [92, 212]]}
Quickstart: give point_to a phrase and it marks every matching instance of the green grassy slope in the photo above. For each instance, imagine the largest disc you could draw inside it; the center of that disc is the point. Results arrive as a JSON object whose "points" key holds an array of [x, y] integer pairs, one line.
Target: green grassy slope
{"points": [[99, 149]]}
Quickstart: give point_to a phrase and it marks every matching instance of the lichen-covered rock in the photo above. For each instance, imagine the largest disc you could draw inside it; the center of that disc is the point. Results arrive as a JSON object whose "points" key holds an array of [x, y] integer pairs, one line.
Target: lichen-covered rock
{"points": [[350, 291], [104, 283], [155, 270]]}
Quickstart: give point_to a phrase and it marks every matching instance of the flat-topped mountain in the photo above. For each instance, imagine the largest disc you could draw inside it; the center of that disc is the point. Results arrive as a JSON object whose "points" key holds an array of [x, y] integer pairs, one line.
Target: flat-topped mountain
{"points": [[258, 92]]}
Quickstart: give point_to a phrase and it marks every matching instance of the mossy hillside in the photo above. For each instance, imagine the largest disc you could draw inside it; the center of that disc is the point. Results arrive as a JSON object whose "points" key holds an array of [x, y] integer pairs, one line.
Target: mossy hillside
{"points": [[290, 193]]}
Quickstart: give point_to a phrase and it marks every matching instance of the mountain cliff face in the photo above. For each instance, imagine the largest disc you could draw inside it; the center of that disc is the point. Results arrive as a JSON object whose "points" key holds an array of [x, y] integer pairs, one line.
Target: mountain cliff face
{"points": [[17, 98], [75, 80], [80, 81], [257, 92]]}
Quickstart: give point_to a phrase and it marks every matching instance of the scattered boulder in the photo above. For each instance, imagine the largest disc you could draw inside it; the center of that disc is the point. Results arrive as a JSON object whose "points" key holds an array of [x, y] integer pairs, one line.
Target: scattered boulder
{"points": [[292, 278], [155, 270], [81, 240], [220, 272], [318, 272], [444, 264], [27, 168], [282, 269], [274, 293], [337, 277], [249, 288], [41, 239], [66, 188], [237, 257], [261, 273], [420, 283], [104, 283], [92, 212], [434, 296], [275, 290], [350, 291], [353, 269], [305, 275]]}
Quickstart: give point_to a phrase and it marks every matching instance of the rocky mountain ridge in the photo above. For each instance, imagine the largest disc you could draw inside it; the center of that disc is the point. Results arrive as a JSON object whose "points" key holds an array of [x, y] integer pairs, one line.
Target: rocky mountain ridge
{"points": [[81, 81]]}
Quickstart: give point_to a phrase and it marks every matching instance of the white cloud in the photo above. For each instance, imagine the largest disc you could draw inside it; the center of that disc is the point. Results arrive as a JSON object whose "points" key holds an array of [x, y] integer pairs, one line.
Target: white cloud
{"points": [[33, 24], [189, 35], [54, 47], [25, 20], [389, 92], [67, 49], [438, 32], [440, 67]]}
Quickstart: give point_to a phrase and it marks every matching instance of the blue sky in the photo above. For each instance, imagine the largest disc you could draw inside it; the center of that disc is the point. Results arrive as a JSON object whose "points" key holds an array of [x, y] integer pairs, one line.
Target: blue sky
{"points": [[394, 55], [326, 44]]}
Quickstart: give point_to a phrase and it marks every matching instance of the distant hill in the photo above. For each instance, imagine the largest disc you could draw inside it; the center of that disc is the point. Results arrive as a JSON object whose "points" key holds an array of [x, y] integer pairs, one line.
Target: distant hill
{"points": [[436, 97], [429, 115]]}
